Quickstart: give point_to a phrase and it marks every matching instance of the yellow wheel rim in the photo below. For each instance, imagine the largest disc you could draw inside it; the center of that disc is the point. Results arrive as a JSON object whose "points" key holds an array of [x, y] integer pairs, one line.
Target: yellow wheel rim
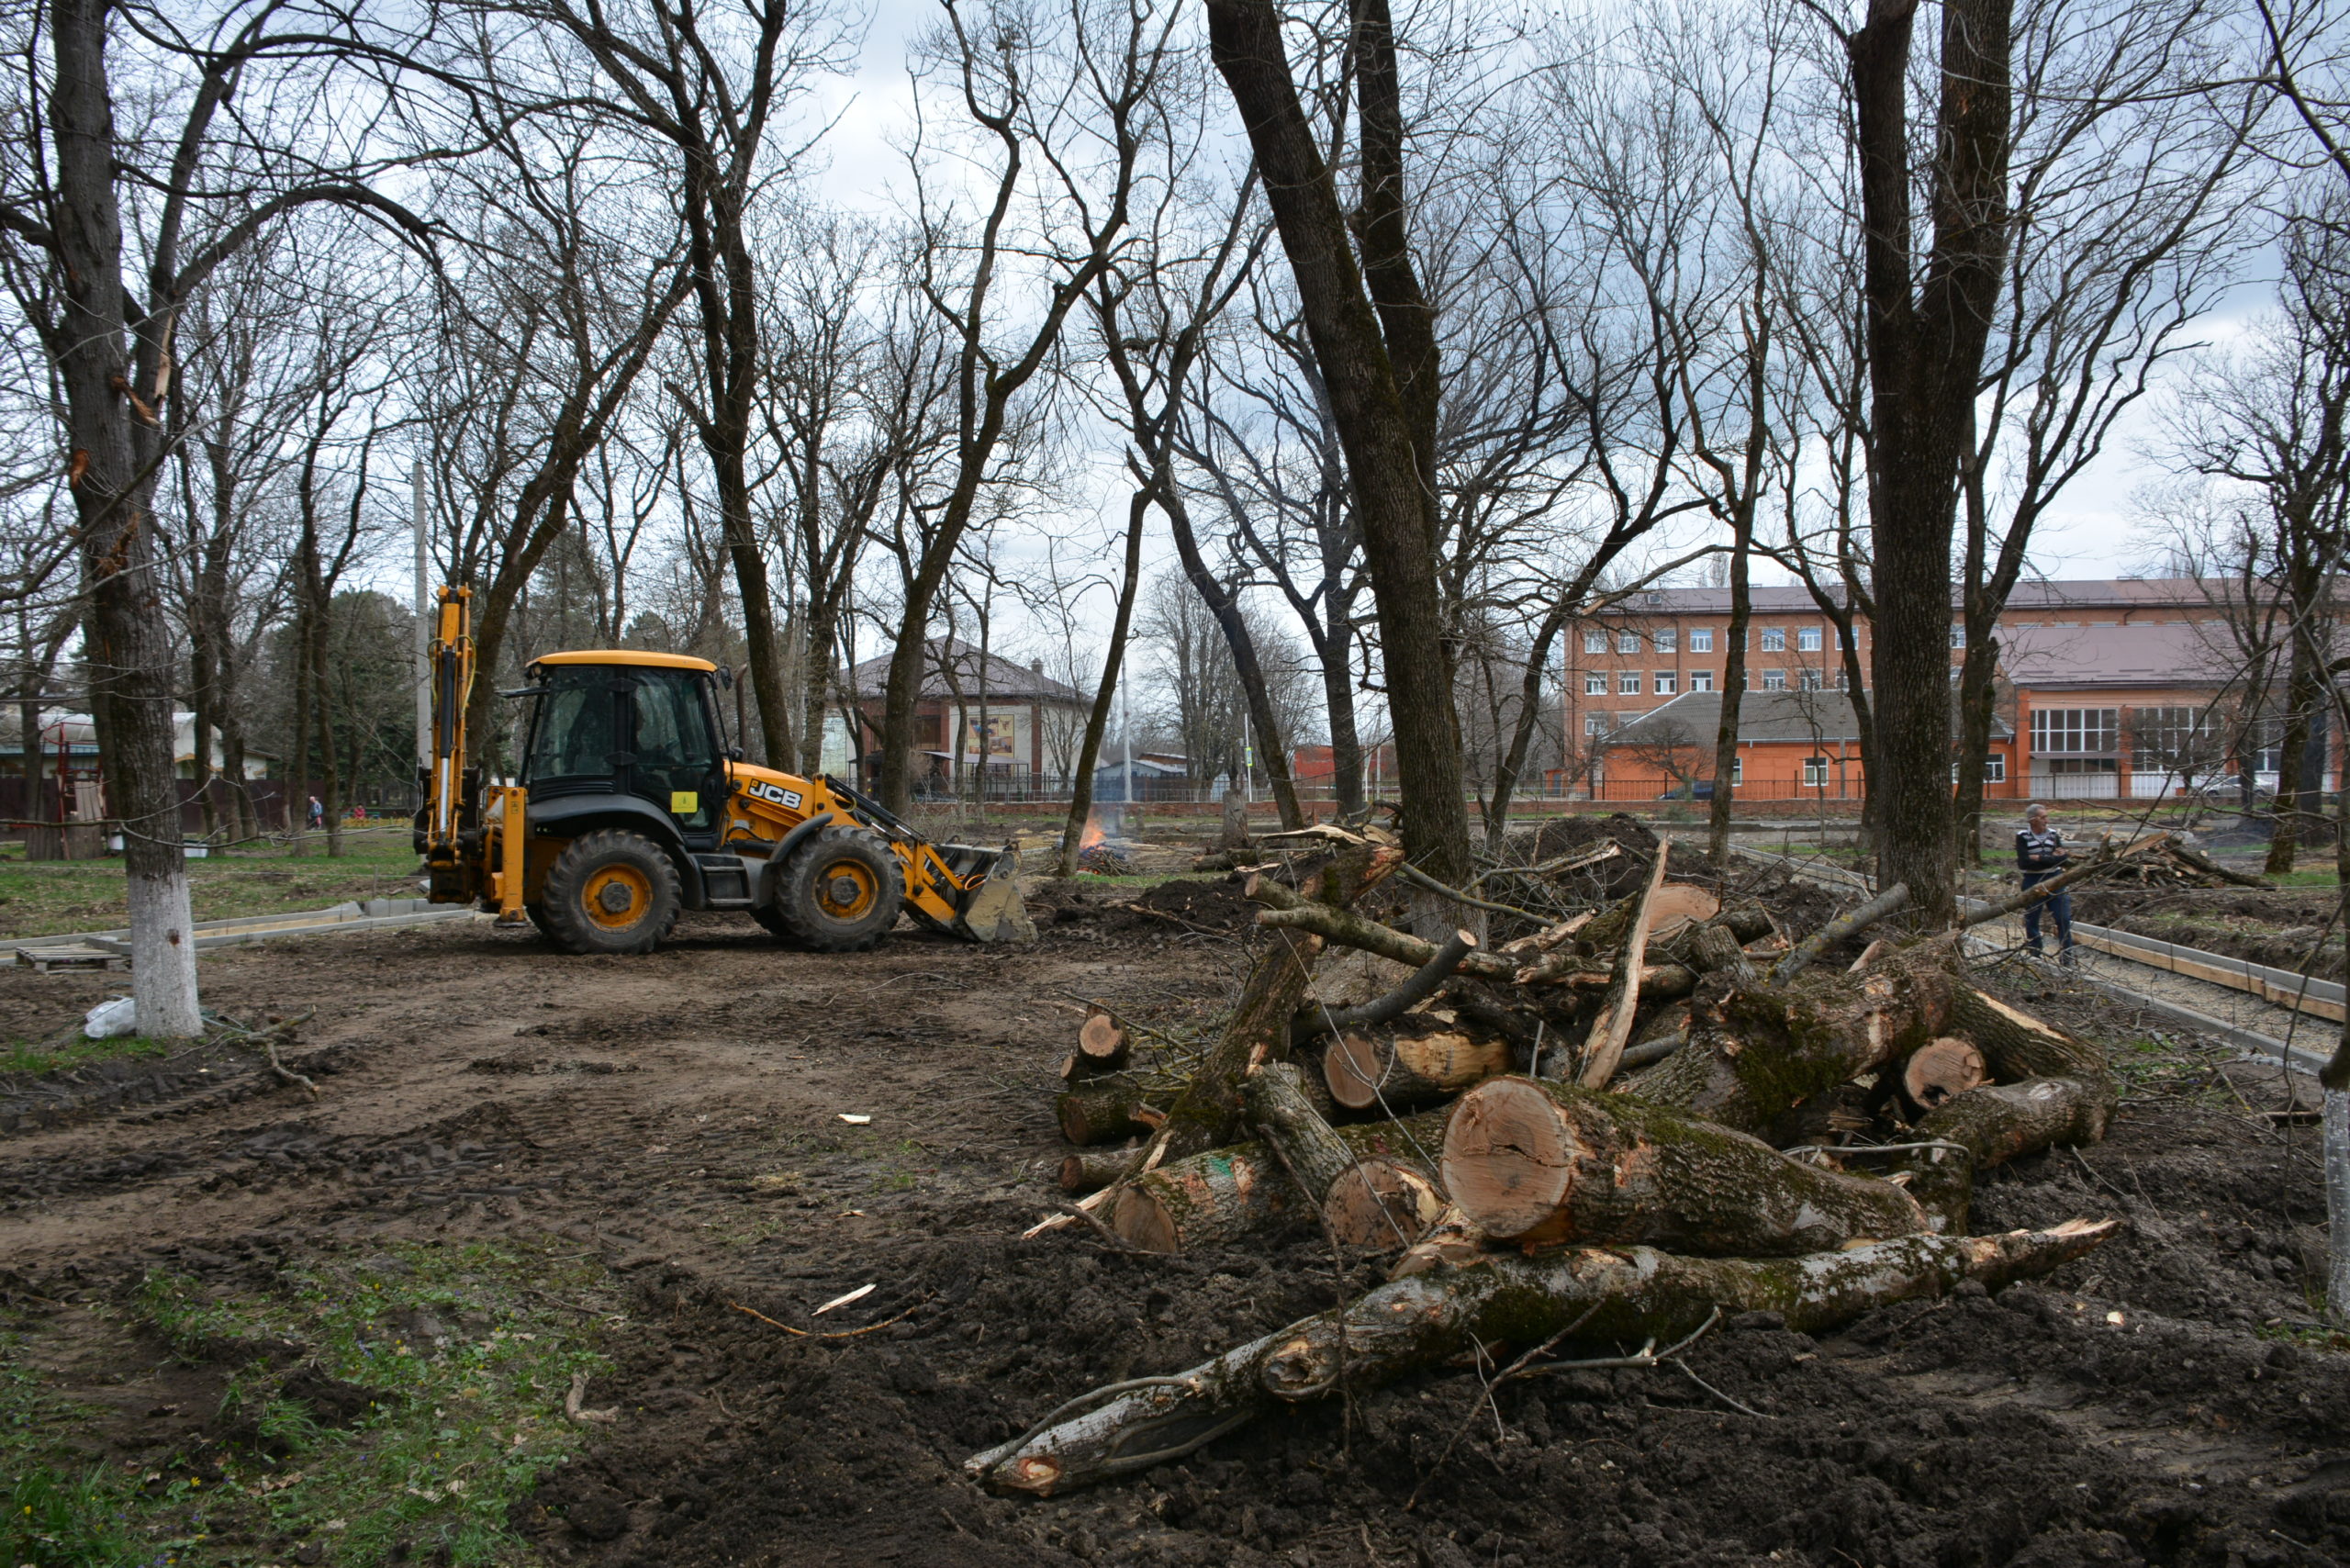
{"points": [[846, 889], [617, 896]]}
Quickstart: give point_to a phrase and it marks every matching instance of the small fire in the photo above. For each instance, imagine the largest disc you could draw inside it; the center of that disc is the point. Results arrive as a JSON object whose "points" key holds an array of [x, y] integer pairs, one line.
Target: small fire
{"points": [[1091, 836]]}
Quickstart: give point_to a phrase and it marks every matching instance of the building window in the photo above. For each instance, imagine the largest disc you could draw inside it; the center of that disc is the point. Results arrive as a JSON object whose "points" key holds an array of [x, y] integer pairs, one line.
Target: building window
{"points": [[1701, 681], [1815, 773], [1736, 771], [1994, 768], [1774, 639], [2165, 739], [1701, 639], [1664, 683], [1957, 635], [2080, 732], [1807, 638], [1594, 683], [1775, 680], [1808, 680], [1594, 724], [1627, 682], [1595, 642], [1841, 681], [1664, 640], [1627, 642], [1847, 639]]}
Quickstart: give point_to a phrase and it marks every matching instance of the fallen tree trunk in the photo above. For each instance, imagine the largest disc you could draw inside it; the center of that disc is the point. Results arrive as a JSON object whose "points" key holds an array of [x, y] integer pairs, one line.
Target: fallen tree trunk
{"points": [[1217, 1196], [1421, 1321], [1893, 900], [1529, 1162], [1425, 983], [1104, 1110], [2202, 862], [1403, 1070], [1286, 911], [2000, 1122], [1090, 1170], [1755, 1051], [2015, 1044]]}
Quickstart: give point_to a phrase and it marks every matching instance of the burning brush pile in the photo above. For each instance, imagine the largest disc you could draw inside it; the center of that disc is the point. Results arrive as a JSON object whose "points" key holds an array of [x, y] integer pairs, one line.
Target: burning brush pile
{"points": [[1616, 1126]]}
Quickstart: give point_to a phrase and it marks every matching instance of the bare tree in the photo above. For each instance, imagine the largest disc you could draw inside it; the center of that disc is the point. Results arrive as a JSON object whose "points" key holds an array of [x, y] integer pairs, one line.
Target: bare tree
{"points": [[208, 187], [1080, 96], [1375, 340]]}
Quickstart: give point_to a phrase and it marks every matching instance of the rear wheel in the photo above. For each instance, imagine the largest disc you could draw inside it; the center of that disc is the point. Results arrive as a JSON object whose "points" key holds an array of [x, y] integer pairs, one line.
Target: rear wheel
{"points": [[773, 924], [838, 894], [609, 892]]}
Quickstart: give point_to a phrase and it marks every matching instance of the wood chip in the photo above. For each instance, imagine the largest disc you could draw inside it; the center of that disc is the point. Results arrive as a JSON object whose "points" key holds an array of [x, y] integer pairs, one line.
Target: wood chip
{"points": [[858, 1294], [853, 1119]]}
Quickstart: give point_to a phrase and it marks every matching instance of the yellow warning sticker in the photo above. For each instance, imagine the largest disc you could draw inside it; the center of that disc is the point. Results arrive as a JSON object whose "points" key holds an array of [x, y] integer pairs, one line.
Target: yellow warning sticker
{"points": [[684, 802]]}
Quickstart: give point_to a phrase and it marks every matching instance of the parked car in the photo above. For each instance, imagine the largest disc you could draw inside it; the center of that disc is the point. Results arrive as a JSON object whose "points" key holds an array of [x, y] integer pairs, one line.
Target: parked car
{"points": [[1702, 789]]}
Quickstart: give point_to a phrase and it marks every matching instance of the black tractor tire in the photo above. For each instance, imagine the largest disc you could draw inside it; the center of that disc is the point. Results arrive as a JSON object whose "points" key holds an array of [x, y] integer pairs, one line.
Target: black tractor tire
{"points": [[839, 892], [772, 924], [538, 914], [611, 892]]}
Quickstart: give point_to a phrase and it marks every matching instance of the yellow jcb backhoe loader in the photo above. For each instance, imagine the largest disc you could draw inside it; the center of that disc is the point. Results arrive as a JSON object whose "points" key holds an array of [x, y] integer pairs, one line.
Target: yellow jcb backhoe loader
{"points": [[630, 806]]}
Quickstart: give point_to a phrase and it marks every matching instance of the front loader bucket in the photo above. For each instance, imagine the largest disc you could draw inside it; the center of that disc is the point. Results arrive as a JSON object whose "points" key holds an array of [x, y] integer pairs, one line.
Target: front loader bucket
{"points": [[998, 912]]}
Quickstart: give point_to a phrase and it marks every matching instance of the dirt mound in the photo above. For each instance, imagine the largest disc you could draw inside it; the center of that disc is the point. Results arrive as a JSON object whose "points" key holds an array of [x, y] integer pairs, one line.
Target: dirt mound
{"points": [[1202, 905]]}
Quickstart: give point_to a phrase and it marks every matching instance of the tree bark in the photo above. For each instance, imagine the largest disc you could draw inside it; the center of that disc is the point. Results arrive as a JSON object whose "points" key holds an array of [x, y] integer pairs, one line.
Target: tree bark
{"points": [[1742, 617], [1221, 1194], [1757, 1051], [1530, 1161], [1604, 1294], [1103, 1110], [1373, 390], [111, 473], [1926, 335]]}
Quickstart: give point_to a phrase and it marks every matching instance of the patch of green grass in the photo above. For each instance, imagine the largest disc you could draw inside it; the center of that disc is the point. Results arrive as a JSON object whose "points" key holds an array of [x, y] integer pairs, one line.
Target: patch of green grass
{"points": [[42, 898], [2307, 878], [453, 1432], [58, 1513], [50, 1056]]}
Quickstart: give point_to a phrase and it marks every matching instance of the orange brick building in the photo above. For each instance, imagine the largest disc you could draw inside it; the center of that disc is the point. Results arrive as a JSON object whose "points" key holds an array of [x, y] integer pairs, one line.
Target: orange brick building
{"points": [[2106, 689]]}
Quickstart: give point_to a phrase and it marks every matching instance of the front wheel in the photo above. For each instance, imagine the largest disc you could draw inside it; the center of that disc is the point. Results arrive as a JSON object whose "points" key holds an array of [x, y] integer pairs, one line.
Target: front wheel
{"points": [[611, 892], [838, 894]]}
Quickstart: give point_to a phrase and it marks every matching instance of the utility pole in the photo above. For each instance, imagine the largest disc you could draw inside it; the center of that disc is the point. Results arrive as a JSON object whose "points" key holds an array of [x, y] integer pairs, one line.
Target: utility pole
{"points": [[423, 656]]}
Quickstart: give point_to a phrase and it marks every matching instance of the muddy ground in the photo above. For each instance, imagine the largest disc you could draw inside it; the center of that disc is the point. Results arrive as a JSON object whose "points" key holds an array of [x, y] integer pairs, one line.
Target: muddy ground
{"points": [[2286, 928], [675, 1120]]}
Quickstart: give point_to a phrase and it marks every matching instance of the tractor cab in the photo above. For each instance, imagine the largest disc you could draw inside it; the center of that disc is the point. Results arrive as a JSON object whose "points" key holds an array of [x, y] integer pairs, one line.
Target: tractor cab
{"points": [[619, 722]]}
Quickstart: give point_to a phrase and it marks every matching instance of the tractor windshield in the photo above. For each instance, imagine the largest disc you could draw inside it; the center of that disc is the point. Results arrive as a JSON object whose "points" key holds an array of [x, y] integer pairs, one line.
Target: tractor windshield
{"points": [[572, 733]]}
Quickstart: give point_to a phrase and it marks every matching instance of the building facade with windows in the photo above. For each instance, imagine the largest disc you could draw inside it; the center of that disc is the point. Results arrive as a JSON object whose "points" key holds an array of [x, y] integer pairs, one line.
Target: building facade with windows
{"points": [[2109, 688]]}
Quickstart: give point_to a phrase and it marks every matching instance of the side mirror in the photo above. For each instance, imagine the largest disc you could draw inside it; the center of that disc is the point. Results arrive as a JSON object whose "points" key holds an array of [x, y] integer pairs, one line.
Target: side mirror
{"points": [[725, 678], [734, 753]]}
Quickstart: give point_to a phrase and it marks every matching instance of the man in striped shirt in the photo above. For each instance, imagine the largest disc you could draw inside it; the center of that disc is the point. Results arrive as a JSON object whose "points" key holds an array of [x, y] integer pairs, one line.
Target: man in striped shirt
{"points": [[2040, 854]]}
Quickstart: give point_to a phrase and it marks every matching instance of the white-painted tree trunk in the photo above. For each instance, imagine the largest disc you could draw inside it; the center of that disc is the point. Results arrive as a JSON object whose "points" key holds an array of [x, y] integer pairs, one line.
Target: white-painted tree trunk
{"points": [[2337, 1206], [162, 957]]}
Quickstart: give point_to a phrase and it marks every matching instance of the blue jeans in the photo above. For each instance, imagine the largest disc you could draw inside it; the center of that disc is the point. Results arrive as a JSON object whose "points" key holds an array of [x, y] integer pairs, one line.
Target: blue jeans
{"points": [[2058, 905]]}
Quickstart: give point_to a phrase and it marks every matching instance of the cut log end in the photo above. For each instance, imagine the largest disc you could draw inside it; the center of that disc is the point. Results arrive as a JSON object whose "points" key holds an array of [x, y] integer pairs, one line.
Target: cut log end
{"points": [[1383, 1205], [1102, 1043], [1509, 1155], [1941, 1068], [1350, 1066]]}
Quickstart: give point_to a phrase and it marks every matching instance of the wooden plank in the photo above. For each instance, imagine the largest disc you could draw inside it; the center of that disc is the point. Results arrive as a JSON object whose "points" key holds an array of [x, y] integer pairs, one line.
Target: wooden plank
{"points": [[2216, 973]]}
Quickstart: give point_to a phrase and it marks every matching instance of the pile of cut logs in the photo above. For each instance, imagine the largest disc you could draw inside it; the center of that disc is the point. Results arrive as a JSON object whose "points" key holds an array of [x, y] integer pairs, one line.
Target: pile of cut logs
{"points": [[1615, 1128]]}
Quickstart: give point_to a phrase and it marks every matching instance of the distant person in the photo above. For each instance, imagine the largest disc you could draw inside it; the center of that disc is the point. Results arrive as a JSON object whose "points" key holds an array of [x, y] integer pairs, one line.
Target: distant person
{"points": [[2040, 854], [318, 814], [359, 814]]}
